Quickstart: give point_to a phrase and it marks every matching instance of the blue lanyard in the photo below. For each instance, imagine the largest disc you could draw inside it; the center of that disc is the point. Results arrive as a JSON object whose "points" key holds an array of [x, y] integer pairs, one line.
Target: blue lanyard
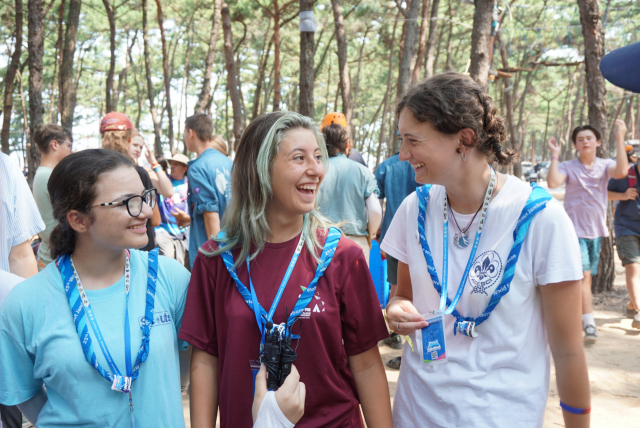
{"points": [[466, 325], [81, 310], [445, 246], [250, 298]]}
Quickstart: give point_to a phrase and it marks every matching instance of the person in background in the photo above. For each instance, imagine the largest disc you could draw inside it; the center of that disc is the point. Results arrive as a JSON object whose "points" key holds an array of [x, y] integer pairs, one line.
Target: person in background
{"points": [[159, 180], [585, 201], [209, 178], [218, 143], [626, 223], [171, 238], [396, 180], [116, 131], [348, 193], [19, 221], [54, 143], [354, 154]]}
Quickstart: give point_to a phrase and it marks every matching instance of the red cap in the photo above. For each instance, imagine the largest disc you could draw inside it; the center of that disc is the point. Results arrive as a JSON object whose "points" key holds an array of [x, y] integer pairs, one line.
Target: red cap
{"points": [[115, 121]]}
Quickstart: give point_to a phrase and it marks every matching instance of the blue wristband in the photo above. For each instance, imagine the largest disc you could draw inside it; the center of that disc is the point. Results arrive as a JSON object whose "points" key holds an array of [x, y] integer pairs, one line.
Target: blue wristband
{"points": [[575, 410]]}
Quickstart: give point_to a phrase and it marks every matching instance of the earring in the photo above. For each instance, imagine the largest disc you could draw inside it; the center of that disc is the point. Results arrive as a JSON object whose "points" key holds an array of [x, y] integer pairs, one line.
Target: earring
{"points": [[463, 156]]}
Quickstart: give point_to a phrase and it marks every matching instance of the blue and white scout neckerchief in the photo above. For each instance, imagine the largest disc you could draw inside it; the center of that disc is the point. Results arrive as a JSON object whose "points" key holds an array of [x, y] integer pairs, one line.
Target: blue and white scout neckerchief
{"points": [[80, 307], [250, 298], [466, 325]]}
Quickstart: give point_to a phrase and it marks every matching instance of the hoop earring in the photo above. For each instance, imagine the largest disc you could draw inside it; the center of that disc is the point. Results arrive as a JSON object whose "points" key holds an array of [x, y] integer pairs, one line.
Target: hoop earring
{"points": [[463, 156]]}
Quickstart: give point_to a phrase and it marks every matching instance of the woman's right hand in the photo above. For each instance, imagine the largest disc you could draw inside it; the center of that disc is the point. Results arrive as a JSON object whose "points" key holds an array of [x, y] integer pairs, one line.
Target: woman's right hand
{"points": [[553, 147], [403, 317]]}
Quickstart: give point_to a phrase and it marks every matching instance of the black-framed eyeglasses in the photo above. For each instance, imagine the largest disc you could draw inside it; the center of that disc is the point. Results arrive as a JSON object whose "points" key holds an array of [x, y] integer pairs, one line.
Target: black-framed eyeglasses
{"points": [[134, 203]]}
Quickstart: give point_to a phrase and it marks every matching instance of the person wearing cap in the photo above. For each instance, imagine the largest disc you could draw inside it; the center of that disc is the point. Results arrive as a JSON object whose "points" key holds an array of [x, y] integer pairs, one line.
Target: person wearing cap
{"points": [[209, 183], [348, 193], [170, 237], [116, 130], [585, 201], [626, 224]]}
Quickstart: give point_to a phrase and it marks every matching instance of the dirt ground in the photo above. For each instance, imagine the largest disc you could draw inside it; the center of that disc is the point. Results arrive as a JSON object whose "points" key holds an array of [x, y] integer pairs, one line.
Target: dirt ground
{"points": [[614, 367]]}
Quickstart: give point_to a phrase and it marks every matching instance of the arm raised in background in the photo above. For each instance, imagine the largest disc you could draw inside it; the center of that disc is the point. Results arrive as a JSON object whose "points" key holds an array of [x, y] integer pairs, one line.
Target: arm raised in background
{"points": [[621, 168], [554, 177], [374, 214]]}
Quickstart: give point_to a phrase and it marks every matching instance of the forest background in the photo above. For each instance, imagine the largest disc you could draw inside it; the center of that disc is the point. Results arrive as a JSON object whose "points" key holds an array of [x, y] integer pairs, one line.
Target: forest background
{"points": [[72, 61]]}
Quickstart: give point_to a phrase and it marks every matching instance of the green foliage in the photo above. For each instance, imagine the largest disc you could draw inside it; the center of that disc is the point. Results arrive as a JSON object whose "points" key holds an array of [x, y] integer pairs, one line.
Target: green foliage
{"points": [[534, 31]]}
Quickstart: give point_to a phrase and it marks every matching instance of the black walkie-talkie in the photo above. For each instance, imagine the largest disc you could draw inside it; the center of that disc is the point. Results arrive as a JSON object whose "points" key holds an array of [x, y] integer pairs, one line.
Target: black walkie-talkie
{"points": [[272, 356], [287, 354]]}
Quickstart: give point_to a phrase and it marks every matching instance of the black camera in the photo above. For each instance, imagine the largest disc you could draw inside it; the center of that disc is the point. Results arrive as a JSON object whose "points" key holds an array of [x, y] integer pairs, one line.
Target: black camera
{"points": [[278, 355]]}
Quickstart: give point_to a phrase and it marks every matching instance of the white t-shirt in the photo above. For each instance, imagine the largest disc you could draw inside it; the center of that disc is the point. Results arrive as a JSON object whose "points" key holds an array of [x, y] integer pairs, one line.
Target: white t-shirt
{"points": [[501, 376], [270, 415], [7, 282]]}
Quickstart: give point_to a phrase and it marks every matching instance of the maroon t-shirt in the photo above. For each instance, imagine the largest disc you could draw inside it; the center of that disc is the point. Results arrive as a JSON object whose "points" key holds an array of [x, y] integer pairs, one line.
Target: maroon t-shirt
{"points": [[343, 319]]}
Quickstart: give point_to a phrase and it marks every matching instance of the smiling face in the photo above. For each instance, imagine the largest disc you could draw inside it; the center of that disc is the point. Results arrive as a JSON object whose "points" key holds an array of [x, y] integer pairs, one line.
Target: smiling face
{"points": [[296, 174], [432, 154], [135, 147], [112, 226], [587, 143]]}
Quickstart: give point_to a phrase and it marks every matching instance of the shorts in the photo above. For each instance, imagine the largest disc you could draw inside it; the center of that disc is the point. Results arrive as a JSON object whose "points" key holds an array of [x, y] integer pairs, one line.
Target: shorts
{"points": [[590, 252], [392, 270], [628, 249]]}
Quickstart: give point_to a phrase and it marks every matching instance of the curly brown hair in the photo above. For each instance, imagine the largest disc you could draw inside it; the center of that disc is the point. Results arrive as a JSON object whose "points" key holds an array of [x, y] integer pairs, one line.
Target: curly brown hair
{"points": [[45, 134], [336, 137], [452, 102]]}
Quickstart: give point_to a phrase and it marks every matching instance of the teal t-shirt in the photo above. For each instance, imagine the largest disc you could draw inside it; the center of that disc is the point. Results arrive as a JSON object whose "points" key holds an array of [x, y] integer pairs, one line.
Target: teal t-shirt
{"points": [[346, 186], [39, 343]]}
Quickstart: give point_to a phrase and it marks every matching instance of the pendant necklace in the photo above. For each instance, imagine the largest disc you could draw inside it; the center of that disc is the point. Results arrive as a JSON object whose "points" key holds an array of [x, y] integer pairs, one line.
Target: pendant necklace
{"points": [[461, 239]]}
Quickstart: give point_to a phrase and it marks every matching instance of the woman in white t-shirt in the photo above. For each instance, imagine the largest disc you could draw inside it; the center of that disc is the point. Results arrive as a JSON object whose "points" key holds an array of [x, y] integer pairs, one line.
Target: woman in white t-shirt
{"points": [[489, 365]]}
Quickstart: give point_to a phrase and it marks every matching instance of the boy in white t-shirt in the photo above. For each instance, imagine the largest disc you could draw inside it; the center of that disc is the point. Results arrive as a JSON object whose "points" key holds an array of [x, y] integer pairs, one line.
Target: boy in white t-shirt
{"points": [[585, 201]]}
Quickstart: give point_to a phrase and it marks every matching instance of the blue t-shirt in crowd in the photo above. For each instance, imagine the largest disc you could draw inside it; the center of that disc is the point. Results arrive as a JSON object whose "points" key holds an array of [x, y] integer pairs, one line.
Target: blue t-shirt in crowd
{"points": [[627, 218], [209, 191], [166, 206], [396, 181], [39, 343]]}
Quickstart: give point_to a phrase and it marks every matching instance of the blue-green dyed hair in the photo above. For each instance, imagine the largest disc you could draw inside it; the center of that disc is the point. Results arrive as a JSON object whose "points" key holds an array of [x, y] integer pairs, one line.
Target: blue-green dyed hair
{"points": [[245, 220]]}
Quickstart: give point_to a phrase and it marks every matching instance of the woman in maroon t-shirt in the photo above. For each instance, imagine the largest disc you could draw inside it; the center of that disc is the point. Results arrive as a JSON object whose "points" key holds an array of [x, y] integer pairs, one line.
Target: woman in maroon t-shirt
{"points": [[278, 169]]}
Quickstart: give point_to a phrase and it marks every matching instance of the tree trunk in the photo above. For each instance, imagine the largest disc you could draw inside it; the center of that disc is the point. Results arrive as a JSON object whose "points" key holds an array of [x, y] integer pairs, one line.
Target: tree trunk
{"points": [[165, 72], [448, 66], [277, 93], [306, 66], [508, 95], [111, 16], [593, 34], [10, 78], [409, 48], [387, 93], [150, 92], [356, 91], [431, 42], [579, 85], [54, 105], [124, 74], [232, 82], [205, 93], [67, 84], [480, 44], [261, 71], [36, 110], [343, 66], [422, 43]]}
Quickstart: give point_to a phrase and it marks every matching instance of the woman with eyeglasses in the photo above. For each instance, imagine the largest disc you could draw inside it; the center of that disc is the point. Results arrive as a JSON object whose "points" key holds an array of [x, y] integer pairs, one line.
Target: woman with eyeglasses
{"points": [[99, 326]]}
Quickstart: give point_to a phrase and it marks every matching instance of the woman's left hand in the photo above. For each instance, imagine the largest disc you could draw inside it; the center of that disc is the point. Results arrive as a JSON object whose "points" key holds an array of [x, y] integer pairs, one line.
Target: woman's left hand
{"points": [[151, 158]]}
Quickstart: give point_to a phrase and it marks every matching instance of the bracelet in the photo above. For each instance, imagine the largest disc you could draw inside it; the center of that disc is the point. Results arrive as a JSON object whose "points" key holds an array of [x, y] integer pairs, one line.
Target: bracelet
{"points": [[154, 166], [158, 167], [575, 410], [554, 158]]}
